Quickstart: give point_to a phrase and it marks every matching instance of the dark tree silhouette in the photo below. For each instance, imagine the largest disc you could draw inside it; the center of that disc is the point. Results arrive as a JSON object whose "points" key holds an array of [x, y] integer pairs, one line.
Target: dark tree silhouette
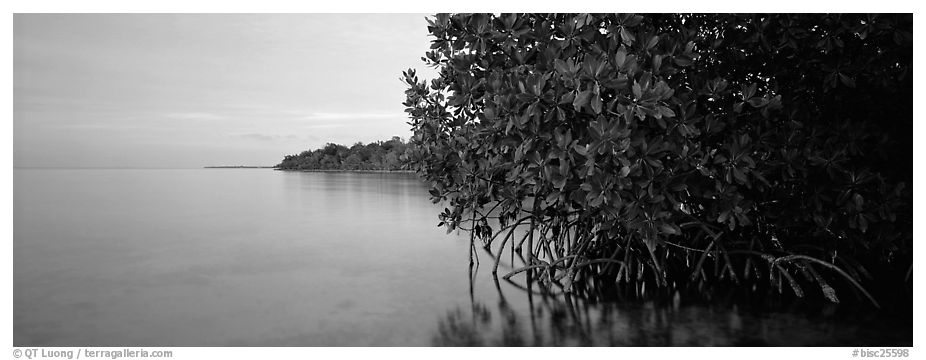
{"points": [[379, 155], [674, 148]]}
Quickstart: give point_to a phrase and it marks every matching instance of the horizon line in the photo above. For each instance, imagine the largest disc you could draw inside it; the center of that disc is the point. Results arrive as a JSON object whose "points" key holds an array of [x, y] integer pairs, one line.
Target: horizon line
{"points": [[133, 167]]}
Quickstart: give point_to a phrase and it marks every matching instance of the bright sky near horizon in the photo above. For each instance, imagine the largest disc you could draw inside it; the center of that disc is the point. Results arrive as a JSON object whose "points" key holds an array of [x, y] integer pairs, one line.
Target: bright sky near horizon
{"points": [[190, 90]]}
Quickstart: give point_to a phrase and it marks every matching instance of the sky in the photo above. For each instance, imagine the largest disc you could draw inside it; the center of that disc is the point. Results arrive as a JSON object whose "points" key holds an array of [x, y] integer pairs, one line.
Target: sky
{"points": [[192, 90]]}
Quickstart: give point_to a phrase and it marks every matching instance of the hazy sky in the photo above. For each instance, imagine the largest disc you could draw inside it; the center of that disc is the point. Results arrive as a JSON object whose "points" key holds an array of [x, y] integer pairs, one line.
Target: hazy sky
{"points": [[175, 90]]}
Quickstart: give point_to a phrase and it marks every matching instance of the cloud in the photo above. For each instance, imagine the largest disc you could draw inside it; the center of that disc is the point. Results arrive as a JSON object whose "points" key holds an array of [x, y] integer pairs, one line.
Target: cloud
{"points": [[195, 116], [352, 116], [267, 137]]}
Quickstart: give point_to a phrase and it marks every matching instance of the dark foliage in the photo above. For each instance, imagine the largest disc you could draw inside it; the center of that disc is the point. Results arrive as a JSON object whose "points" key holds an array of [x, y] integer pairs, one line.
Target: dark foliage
{"points": [[674, 148], [380, 155]]}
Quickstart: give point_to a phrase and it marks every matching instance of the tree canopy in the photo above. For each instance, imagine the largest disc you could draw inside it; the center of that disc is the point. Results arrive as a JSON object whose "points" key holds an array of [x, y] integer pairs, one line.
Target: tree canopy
{"points": [[674, 148]]}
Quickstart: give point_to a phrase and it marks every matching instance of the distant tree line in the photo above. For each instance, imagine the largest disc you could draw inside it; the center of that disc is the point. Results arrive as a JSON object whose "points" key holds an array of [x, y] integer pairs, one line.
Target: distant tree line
{"points": [[379, 155]]}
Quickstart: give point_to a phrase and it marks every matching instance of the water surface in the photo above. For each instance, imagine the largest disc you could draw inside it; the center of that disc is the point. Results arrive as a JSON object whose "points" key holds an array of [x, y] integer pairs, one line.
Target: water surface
{"points": [[227, 257]]}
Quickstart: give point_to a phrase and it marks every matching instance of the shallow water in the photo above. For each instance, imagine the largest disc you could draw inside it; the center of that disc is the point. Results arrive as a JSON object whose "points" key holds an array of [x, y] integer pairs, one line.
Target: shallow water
{"points": [[242, 257]]}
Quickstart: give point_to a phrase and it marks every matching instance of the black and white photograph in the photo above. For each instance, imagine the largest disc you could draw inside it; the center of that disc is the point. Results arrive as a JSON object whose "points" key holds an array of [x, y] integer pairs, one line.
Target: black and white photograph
{"points": [[317, 180]]}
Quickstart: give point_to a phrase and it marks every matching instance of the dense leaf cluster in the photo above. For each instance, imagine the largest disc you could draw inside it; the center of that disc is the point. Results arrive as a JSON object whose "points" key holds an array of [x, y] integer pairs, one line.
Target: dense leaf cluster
{"points": [[650, 146], [379, 155]]}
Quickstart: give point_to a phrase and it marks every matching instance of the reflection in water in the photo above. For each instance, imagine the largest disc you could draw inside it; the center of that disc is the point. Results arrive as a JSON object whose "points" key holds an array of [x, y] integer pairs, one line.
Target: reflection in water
{"points": [[564, 320], [253, 257], [230, 257]]}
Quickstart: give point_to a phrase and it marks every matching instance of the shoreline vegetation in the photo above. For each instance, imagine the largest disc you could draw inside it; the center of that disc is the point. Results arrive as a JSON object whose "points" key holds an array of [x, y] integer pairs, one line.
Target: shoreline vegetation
{"points": [[379, 156], [594, 152]]}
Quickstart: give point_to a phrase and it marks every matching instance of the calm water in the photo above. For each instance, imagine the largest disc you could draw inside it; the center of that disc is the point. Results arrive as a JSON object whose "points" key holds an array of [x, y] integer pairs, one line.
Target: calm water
{"points": [[225, 257]]}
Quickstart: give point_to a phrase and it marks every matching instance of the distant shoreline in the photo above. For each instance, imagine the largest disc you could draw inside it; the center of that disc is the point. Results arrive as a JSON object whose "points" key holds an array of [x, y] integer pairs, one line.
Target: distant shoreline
{"points": [[353, 171], [308, 170], [239, 167]]}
